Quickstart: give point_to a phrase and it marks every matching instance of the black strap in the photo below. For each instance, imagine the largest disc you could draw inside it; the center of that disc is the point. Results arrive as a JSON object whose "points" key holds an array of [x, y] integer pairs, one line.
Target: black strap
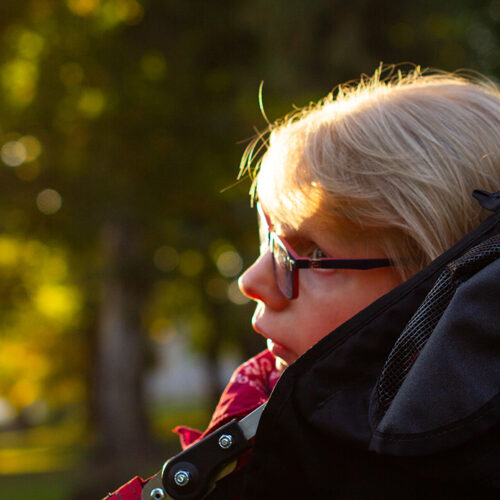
{"points": [[489, 201], [228, 487]]}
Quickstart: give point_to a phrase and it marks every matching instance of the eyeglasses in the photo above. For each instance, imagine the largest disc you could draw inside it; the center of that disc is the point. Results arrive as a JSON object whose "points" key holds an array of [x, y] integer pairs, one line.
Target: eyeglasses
{"points": [[286, 262]]}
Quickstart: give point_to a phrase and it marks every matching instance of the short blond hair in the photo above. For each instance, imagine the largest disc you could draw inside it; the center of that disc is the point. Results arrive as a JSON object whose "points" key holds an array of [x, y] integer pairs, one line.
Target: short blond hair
{"points": [[394, 159]]}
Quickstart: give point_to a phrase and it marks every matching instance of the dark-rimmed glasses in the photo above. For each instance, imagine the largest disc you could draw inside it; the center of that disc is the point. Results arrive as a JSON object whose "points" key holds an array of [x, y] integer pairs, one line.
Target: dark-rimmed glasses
{"points": [[286, 262]]}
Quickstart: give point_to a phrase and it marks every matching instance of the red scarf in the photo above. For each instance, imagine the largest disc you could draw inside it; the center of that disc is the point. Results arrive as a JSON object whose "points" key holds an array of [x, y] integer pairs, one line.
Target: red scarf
{"points": [[250, 386]]}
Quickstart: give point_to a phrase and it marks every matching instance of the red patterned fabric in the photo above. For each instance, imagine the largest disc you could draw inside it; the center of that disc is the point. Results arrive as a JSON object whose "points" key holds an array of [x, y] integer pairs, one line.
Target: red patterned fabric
{"points": [[249, 387], [130, 491]]}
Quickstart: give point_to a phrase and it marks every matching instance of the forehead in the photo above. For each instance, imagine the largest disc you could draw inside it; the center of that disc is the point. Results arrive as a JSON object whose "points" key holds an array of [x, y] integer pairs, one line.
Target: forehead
{"points": [[283, 206], [293, 200], [299, 227], [302, 226], [284, 185]]}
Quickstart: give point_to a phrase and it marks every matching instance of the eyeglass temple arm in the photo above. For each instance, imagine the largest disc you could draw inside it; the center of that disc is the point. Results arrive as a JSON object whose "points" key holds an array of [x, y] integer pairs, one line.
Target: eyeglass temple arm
{"points": [[343, 263]]}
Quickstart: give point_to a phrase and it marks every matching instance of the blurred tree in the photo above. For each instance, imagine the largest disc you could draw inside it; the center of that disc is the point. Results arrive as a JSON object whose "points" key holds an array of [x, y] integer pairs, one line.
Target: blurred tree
{"points": [[114, 129], [41, 347]]}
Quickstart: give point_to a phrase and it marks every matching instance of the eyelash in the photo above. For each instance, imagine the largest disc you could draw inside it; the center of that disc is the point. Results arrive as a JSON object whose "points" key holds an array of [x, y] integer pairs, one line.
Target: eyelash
{"points": [[303, 248], [311, 250], [316, 250]]}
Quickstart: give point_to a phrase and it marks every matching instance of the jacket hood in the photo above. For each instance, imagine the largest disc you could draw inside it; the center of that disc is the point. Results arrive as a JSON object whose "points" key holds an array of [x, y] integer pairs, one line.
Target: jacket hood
{"points": [[440, 384], [451, 380], [400, 381]]}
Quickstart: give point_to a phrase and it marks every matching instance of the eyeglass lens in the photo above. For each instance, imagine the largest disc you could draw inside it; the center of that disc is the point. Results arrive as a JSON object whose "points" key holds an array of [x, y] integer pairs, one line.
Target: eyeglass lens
{"points": [[283, 270]]}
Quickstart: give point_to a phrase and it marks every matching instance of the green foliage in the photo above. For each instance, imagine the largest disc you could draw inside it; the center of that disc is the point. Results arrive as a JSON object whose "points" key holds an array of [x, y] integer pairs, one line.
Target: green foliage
{"points": [[41, 354], [137, 109]]}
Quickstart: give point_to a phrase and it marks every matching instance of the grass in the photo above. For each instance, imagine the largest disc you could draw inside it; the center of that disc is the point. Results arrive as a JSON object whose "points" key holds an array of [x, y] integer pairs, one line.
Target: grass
{"points": [[166, 417], [40, 463], [45, 463], [46, 486], [41, 449]]}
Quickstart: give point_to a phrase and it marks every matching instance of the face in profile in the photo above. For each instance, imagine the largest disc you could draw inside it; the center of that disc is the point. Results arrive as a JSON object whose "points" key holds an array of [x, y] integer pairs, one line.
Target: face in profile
{"points": [[326, 297]]}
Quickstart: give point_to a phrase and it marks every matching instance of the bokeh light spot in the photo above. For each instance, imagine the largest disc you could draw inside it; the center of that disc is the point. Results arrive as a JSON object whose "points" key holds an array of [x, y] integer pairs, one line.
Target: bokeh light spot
{"points": [[131, 11], [166, 258], [49, 201], [23, 393], [82, 7], [91, 102], [32, 145], [19, 79], [7, 412], [216, 289], [57, 302], [153, 66], [9, 252], [191, 263], [234, 294], [30, 45], [113, 12], [14, 153], [229, 263]]}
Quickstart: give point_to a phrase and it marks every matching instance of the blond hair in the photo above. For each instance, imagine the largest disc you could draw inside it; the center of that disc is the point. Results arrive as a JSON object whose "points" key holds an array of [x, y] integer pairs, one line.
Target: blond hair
{"points": [[394, 159]]}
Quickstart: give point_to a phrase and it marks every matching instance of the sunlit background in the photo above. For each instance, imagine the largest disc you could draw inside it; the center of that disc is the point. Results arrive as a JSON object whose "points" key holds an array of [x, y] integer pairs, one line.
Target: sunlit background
{"points": [[123, 229]]}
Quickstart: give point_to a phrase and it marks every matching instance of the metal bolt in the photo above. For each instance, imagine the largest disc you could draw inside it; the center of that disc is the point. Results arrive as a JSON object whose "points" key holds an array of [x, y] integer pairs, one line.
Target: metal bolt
{"points": [[157, 494], [182, 477], [225, 441]]}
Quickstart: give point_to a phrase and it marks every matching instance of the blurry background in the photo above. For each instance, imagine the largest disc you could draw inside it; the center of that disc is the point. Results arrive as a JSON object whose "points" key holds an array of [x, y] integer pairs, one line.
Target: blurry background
{"points": [[122, 123]]}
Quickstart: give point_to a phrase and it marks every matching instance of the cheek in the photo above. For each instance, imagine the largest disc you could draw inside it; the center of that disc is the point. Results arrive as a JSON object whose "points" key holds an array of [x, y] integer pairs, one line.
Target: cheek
{"points": [[320, 325], [323, 309], [336, 298]]}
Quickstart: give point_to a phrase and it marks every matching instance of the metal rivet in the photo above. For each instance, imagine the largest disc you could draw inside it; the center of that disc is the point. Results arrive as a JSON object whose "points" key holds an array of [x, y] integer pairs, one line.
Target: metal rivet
{"points": [[225, 441], [157, 494], [182, 477]]}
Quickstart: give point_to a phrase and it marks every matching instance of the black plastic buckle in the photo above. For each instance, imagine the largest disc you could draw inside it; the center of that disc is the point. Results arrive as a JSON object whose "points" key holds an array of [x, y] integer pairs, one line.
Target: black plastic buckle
{"points": [[191, 474]]}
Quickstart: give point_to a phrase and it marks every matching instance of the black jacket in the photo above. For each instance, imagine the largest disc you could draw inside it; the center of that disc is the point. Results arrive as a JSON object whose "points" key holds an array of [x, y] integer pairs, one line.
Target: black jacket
{"points": [[402, 400]]}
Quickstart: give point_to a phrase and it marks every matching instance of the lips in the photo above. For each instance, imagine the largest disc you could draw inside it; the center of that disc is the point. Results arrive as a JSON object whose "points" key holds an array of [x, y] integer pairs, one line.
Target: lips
{"points": [[279, 350]]}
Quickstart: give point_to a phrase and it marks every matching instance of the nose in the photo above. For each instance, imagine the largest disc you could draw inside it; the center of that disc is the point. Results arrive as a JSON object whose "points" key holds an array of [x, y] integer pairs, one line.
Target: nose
{"points": [[258, 283]]}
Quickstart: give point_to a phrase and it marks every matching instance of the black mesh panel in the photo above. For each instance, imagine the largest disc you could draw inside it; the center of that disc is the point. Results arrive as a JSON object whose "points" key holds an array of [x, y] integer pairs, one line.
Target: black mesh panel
{"points": [[420, 327]]}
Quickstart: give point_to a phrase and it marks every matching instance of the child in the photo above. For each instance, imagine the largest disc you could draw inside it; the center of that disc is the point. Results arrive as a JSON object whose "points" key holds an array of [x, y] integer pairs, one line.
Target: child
{"points": [[357, 194]]}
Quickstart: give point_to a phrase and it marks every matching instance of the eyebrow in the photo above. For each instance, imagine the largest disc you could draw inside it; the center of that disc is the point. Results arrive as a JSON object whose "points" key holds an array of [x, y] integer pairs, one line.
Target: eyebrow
{"points": [[282, 229]]}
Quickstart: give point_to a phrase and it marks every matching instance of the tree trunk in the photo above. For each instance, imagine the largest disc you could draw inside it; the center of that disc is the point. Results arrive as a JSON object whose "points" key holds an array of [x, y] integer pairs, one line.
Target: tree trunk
{"points": [[212, 363], [121, 414]]}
